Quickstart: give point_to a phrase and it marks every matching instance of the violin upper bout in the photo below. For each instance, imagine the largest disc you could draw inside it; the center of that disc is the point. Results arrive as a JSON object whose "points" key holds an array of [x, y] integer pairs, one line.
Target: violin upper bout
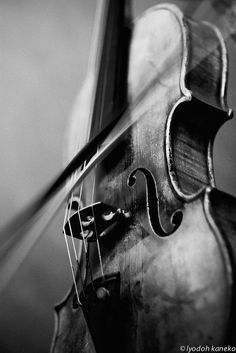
{"points": [[192, 126], [156, 54], [207, 68], [176, 50], [182, 66]]}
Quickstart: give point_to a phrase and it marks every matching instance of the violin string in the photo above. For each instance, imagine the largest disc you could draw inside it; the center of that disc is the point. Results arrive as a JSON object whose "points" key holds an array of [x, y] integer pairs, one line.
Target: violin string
{"points": [[79, 216], [96, 233], [71, 232], [69, 256], [81, 225], [73, 244], [72, 269], [67, 220], [79, 206], [85, 243]]}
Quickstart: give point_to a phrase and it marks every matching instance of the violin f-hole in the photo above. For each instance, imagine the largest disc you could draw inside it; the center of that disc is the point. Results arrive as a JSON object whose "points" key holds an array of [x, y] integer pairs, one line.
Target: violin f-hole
{"points": [[153, 204]]}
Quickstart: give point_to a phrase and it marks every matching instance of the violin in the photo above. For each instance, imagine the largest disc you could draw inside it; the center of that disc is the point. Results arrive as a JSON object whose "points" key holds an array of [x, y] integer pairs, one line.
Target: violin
{"points": [[156, 263], [153, 239]]}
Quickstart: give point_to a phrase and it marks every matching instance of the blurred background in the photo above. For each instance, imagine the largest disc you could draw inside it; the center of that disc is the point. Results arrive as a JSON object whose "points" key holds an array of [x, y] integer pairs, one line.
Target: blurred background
{"points": [[44, 49]]}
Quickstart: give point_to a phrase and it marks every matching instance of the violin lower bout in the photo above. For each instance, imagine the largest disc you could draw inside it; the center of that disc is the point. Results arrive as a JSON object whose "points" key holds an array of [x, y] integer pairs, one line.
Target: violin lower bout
{"points": [[174, 291]]}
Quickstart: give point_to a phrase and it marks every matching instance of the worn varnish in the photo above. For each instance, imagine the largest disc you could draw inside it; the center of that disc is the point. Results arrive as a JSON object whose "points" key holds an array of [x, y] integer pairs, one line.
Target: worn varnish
{"points": [[175, 256]]}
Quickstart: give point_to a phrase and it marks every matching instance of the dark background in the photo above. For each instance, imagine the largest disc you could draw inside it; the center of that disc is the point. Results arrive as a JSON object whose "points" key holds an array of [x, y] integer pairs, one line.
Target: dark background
{"points": [[44, 48]]}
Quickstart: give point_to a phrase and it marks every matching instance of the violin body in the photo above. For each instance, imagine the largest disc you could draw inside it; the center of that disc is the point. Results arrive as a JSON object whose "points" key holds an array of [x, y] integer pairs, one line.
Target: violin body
{"points": [[169, 263]]}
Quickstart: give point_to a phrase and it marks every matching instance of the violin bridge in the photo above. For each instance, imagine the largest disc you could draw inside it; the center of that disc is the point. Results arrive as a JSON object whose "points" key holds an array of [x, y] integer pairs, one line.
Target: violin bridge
{"points": [[98, 219]]}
